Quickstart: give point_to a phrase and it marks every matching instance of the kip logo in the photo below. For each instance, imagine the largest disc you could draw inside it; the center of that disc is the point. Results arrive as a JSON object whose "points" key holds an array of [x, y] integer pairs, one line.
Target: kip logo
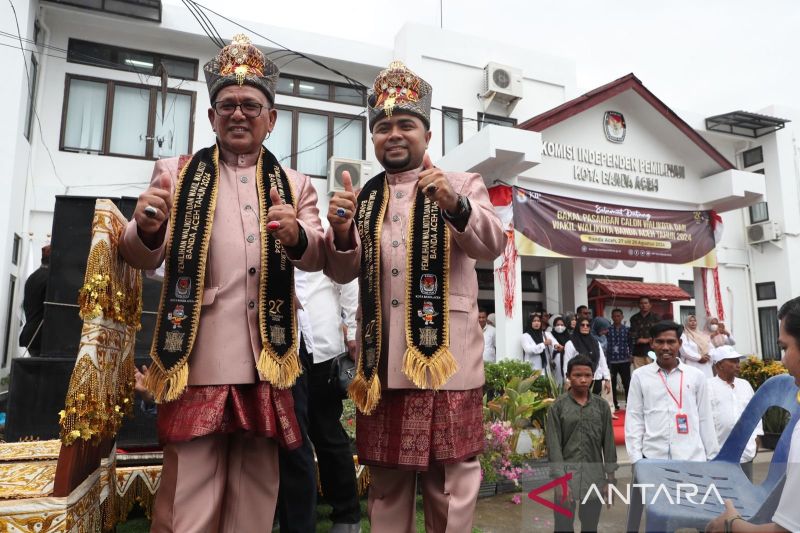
{"points": [[558, 482]]}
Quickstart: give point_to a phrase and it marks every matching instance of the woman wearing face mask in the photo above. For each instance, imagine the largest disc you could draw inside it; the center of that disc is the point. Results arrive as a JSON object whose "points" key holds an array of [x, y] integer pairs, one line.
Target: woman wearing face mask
{"points": [[582, 342], [560, 339], [719, 335], [695, 347], [535, 344]]}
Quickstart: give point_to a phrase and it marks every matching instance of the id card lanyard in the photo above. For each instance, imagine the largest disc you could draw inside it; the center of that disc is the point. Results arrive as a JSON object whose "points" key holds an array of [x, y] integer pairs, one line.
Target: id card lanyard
{"points": [[681, 420]]}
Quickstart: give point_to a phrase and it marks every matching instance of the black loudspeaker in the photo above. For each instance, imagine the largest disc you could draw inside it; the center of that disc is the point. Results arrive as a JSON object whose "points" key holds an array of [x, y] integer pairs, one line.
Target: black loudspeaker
{"points": [[69, 248], [36, 395]]}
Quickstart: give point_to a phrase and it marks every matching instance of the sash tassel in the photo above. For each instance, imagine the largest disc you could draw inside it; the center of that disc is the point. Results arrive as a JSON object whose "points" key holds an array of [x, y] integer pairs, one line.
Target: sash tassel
{"points": [[429, 372], [167, 386], [281, 372], [365, 393]]}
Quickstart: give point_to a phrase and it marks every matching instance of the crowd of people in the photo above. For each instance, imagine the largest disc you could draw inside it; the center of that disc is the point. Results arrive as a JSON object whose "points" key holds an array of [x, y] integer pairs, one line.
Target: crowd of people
{"points": [[615, 349], [682, 394]]}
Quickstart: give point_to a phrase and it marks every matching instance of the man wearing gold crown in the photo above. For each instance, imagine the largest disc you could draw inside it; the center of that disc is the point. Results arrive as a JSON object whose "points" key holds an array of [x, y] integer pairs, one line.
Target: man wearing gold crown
{"points": [[230, 224], [412, 236]]}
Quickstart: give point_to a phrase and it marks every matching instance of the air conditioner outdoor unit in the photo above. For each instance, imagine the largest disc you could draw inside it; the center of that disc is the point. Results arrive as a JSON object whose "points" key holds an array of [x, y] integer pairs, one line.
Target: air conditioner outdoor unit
{"points": [[763, 232], [502, 83], [360, 172]]}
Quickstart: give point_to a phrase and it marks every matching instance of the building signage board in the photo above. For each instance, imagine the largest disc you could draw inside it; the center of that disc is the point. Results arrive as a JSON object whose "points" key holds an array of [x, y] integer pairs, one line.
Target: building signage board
{"points": [[555, 226]]}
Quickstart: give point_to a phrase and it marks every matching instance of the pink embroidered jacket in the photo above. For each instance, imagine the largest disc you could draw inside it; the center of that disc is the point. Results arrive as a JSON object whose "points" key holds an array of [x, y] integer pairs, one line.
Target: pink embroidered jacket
{"points": [[483, 238], [228, 341]]}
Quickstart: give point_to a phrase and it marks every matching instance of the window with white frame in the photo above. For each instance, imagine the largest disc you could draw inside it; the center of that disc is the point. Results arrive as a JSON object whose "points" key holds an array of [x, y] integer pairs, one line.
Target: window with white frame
{"points": [[304, 139], [126, 119], [486, 119], [452, 128], [768, 326], [759, 212], [30, 111]]}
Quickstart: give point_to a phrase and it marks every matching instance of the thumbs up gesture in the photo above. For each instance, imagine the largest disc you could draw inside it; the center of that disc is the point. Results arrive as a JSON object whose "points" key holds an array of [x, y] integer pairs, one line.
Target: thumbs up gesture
{"points": [[341, 211], [282, 220], [434, 184], [153, 207]]}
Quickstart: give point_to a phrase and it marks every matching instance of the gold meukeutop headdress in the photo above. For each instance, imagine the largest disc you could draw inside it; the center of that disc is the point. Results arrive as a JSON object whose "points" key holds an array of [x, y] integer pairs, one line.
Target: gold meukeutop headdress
{"points": [[241, 63], [398, 89]]}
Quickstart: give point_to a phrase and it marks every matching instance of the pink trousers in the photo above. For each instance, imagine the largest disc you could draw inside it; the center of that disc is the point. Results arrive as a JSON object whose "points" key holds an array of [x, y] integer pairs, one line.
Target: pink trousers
{"points": [[449, 495], [220, 483]]}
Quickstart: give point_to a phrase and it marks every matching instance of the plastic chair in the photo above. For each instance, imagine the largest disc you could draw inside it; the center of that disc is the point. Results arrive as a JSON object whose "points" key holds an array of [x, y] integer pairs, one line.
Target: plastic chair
{"points": [[755, 503]]}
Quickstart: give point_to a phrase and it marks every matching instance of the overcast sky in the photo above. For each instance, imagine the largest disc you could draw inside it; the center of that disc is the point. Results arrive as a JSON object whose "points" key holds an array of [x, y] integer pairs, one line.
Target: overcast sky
{"points": [[707, 56]]}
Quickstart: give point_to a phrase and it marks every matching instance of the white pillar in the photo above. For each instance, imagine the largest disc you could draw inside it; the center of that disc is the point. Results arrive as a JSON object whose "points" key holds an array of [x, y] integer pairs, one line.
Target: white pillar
{"points": [[508, 329], [574, 286], [699, 305], [553, 300]]}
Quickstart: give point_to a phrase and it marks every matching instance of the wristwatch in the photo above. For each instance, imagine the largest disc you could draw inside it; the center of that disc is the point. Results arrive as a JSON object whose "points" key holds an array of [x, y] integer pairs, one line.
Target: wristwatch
{"points": [[729, 523], [462, 209]]}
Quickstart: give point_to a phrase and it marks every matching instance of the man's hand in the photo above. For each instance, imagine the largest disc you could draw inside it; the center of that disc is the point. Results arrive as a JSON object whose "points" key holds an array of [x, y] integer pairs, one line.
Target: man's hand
{"points": [[718, 524], [607, 492], [341, 210], [434, 184], [607, 386], [282, 220], [351, 349], [153, 209], [138, 385], [705, 359]]}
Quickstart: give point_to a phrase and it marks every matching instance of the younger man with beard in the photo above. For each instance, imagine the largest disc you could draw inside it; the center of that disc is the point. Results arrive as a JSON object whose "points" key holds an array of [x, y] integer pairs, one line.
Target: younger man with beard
{"points": [[413, 237]]}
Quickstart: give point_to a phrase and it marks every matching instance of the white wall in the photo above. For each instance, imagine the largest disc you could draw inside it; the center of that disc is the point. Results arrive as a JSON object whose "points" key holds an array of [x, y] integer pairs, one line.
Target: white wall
{"points": [[16, 153]]}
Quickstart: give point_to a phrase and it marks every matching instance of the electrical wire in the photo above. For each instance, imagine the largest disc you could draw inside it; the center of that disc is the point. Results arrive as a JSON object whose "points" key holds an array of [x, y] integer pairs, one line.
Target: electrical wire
{"points": [[205, 24], [353, 82]]}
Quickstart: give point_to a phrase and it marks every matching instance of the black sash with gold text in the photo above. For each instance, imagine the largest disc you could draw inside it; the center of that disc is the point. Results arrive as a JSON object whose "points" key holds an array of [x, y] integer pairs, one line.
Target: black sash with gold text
{"points": [[191, 220], [427, 361]]}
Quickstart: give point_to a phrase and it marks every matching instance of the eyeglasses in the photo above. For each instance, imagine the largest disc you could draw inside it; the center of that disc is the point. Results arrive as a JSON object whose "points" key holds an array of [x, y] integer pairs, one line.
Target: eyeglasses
{"points": [[584, 325], [249, 109]]}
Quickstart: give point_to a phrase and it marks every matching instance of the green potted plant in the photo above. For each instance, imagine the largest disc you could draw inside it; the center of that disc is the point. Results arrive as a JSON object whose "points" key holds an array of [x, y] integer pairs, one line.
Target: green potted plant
{"points": [[756, 372], [517, 405], [499, 374]]}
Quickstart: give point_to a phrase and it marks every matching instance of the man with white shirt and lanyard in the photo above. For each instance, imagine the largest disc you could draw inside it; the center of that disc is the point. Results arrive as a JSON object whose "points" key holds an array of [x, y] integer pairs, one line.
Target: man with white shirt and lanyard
{"points": [[325, 306], [729, 398], [668, 414]]}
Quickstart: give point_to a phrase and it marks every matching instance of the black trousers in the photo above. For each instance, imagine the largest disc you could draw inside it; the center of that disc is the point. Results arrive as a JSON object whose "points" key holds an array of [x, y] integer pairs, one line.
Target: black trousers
{"points": [[335, 458], [588, 513], [623, 370], [597, 387], [297, 494], [318, 411]]}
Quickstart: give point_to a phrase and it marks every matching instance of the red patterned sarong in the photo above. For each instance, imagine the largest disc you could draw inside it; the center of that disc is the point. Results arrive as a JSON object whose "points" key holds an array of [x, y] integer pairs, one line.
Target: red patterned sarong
{"points": [[257, 408], [410, 428]]}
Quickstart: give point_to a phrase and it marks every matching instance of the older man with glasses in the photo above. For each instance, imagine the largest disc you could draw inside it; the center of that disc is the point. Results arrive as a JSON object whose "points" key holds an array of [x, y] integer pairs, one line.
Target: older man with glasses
{"points": [[226, 347]]}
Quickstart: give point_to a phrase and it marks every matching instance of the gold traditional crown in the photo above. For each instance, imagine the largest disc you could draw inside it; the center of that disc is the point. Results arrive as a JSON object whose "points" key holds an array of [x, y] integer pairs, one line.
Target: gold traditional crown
{"points": [[399, 89], [241, 58], [241, 63]]}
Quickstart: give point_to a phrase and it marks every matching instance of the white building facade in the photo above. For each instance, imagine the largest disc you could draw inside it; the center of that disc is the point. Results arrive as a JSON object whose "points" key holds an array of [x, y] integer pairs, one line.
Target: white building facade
{"points": [[98, 95]]}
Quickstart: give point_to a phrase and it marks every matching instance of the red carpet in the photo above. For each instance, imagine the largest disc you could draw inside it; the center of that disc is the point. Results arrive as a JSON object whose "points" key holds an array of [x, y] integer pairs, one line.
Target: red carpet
{"points": [[619, 427]]}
